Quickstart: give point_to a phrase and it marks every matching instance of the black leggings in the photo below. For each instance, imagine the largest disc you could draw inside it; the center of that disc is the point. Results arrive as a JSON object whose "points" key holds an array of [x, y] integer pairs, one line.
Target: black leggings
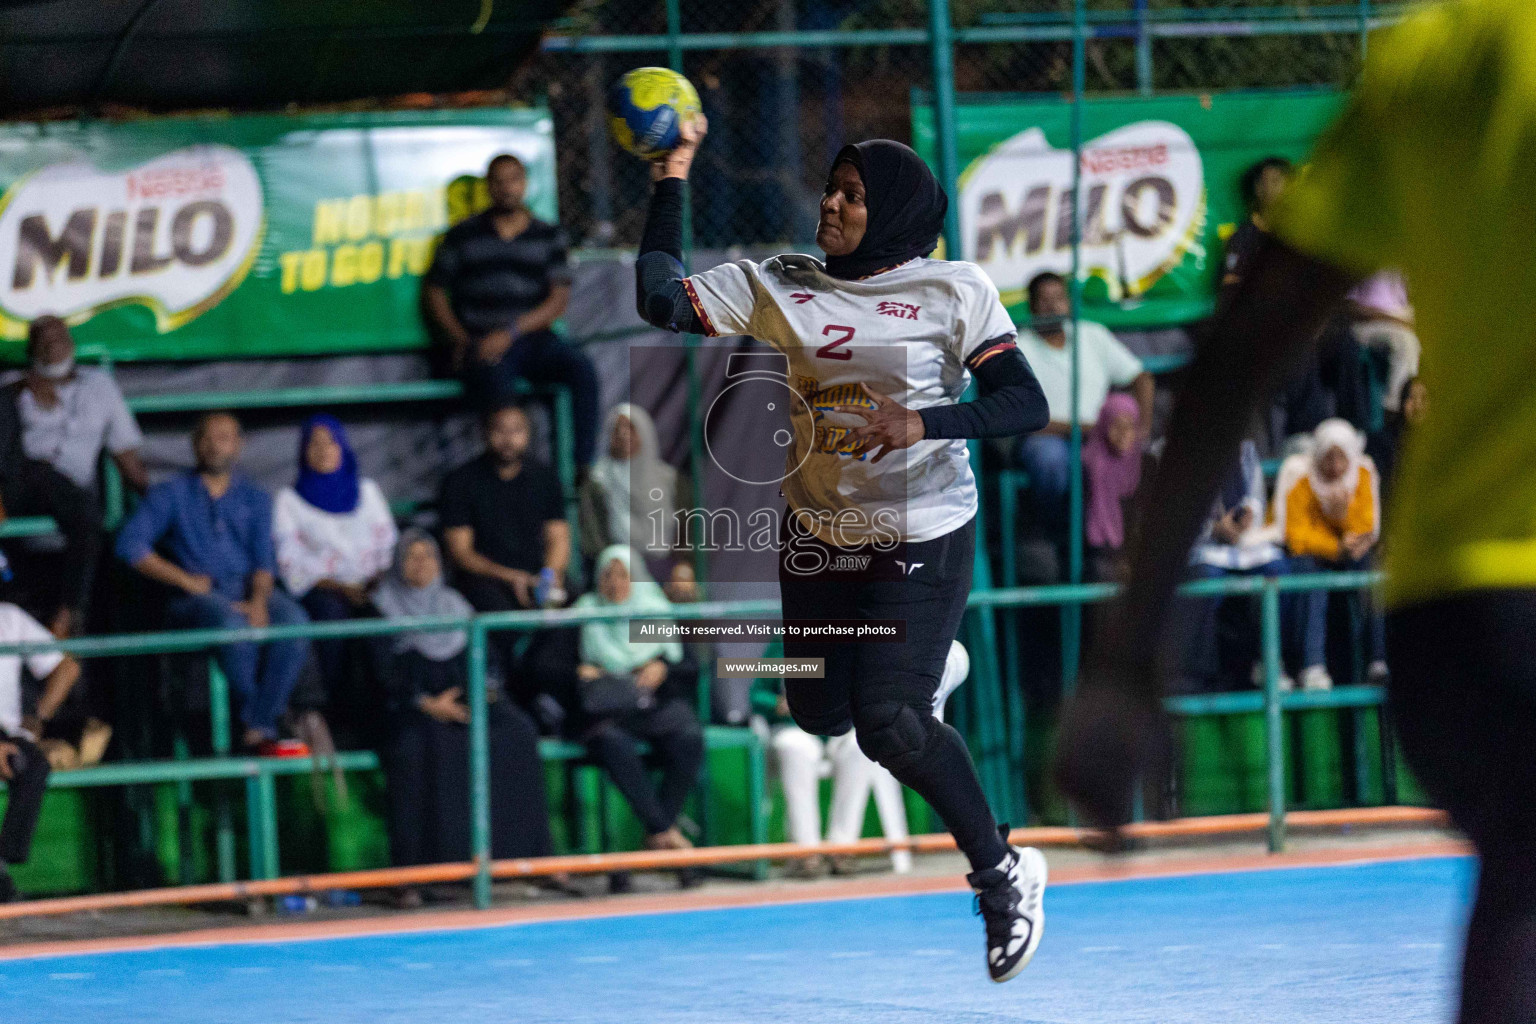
{"points": [[884, 691], [40, 490], [677, 745], [25, 803], [1463, 697]]}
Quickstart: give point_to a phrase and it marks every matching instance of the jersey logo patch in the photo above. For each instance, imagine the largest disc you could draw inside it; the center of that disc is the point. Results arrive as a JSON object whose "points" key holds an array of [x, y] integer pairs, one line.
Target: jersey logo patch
{"points": [[900, 310], [801, 298]]}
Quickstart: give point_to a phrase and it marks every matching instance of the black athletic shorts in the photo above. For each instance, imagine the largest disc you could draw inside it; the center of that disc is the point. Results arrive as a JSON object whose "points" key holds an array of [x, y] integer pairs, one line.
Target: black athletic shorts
{"points": [[924, 584], [1463, 697]]}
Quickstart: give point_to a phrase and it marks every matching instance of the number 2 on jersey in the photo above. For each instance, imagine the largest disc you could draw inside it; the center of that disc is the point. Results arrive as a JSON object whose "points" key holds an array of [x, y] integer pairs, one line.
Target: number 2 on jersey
{"points": [[831, 349]]}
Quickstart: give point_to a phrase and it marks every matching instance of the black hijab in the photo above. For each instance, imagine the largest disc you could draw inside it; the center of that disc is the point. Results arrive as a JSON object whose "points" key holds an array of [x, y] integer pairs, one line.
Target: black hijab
{"points": [[906, 208]]}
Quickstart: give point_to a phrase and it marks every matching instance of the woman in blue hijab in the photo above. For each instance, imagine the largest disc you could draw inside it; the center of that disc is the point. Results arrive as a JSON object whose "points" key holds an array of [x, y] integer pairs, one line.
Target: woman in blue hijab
{"points": [[334, 537], [327, 466]]}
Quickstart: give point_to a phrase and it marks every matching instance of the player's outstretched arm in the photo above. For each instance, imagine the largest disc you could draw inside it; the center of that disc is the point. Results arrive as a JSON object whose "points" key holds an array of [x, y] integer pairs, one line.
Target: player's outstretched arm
{"points": [[660, 295], [1113, 728]]}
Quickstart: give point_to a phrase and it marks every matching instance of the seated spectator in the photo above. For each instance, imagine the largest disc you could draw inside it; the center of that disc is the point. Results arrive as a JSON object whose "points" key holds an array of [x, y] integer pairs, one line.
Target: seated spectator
{"points": [[682, 584], [504, 527], [631, 495], [70, 414], [1387, 446], [1103, 363], [53, 423], [628, 691], [23, 765], [334, 537], [1382, 319], [1235, 541], [427, 762], [1112, 459], [1327, 506], [216, 530], [804, 760], [497, 285]]}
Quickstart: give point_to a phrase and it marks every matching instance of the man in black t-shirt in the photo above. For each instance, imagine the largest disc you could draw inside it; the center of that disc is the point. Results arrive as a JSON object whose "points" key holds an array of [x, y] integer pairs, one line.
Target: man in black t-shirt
{"points": [[1261, 185], [1304, 402], [498, 283], [502, 525]]}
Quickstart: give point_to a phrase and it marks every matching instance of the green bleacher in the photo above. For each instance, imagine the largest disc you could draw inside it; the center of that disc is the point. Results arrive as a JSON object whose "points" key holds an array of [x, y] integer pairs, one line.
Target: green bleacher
{"points": [[1237, 745]]}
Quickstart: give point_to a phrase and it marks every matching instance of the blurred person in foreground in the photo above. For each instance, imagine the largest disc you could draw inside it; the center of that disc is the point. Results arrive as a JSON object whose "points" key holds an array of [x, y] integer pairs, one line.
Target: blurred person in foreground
{"points": [[497, 285], [1430, 169], [215, 527], [23, 764]]}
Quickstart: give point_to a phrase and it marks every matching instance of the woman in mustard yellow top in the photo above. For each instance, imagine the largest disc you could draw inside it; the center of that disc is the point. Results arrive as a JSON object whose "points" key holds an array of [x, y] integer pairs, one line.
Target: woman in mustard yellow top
{"points": [[1327, 510]]}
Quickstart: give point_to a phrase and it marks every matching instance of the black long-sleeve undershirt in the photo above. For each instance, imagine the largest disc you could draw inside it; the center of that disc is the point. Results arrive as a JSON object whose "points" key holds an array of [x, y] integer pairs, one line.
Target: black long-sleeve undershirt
{"points": [[660, 297], [1011, 401]]}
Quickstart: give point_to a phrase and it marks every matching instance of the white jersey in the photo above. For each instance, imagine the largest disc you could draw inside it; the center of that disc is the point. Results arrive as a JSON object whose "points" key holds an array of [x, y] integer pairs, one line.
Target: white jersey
{"points": [[906, 334]]}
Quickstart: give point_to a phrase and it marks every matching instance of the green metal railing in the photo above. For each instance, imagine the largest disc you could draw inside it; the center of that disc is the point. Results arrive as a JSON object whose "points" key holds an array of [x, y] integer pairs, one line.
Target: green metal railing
{"points": [[259, 778]]}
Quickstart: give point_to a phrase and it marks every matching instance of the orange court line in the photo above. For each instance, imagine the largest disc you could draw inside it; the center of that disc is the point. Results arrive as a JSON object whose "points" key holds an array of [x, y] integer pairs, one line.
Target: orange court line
{"points": [[660, 860], [767, 894]]}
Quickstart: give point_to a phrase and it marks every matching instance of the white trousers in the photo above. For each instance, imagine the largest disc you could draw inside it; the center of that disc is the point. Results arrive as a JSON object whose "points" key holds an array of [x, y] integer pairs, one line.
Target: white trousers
{"points": [[803, 760], [1401, 344]]}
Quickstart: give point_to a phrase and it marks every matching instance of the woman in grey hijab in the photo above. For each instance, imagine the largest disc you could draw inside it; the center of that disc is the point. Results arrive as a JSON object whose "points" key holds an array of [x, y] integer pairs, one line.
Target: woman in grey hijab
{"points": [[427, 762], [414, 587]]}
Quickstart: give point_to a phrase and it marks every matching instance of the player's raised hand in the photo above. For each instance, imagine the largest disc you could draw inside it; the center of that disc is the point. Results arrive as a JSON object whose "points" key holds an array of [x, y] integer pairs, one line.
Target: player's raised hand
{"points": [[678, 161], [889, 426]]}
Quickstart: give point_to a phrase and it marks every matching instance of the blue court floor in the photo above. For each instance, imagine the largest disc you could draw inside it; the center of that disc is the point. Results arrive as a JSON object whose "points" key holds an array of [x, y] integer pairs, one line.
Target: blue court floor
{"points": [[1359, 944]]}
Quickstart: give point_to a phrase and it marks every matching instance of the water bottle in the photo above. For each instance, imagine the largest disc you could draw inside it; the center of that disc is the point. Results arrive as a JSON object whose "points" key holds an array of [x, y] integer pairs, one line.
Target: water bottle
{"points": [[296, 904], [548, 593]]}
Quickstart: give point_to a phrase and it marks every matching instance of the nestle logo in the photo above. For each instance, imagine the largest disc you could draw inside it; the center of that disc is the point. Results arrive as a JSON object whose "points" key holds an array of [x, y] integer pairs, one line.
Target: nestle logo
{"points": [[901, 310]]}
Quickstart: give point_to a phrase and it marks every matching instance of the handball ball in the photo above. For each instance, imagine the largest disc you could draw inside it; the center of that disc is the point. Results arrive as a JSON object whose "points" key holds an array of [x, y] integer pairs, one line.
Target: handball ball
{"points": [[647, 107]]}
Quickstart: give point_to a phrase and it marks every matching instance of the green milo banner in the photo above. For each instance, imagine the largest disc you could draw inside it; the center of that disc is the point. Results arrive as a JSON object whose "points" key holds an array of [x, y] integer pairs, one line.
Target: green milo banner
{"points": [[1159, 182], [226, 237]]}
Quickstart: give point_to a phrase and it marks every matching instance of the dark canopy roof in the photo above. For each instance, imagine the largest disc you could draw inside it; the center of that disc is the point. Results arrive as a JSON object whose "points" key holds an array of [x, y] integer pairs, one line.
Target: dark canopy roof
{"points": [[187, 54]]}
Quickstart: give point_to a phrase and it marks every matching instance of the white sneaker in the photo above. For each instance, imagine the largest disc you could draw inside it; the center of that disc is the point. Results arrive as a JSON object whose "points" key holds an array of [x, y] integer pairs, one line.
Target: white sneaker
{"points": [[1315, 677], [1287, 684], [957, 667], [1011, 900]]}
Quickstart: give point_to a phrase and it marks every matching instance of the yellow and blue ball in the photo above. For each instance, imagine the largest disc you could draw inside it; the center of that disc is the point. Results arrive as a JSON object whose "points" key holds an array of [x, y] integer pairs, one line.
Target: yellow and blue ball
{"points": [[647, 107]]}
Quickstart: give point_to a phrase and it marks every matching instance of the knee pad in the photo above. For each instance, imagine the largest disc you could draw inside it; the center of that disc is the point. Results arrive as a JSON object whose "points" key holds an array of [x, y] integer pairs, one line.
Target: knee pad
{"points": [[894, 735]]}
